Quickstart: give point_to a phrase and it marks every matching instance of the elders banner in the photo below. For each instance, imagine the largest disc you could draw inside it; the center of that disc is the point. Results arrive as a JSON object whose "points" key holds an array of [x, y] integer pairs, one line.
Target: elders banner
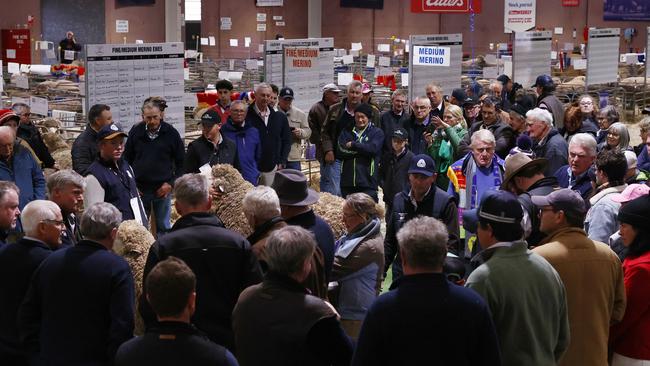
{"points": [[445, 6]]}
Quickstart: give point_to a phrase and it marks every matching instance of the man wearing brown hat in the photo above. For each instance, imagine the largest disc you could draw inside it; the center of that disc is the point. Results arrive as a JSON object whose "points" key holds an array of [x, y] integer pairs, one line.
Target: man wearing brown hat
{"points": [[525, 178], [591, 273], [295, 200]]}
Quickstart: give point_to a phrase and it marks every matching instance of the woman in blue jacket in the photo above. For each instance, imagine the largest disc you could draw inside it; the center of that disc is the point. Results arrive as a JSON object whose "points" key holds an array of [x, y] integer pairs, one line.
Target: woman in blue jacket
{"points": [[360, 152]]}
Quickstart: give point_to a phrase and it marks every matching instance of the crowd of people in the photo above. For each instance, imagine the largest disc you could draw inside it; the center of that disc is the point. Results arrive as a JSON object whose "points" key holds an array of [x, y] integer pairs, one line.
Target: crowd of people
{"points": [[515, 233]]}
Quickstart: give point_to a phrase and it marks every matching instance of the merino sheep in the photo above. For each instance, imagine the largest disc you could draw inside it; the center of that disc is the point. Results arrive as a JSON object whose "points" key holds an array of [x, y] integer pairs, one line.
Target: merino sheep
{"points": [[133, 243], [228, 206]]}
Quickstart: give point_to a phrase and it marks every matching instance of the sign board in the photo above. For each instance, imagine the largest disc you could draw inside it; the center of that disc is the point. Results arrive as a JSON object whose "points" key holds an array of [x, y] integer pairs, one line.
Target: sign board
{"points": [[124, 75], [320, 73], [446, 6], [38, 105], [531, 56], [570, 2], [518, 15], [300, 67], [422, 72], [431, 56], [121, 26], [225, 23], [602, 56]]}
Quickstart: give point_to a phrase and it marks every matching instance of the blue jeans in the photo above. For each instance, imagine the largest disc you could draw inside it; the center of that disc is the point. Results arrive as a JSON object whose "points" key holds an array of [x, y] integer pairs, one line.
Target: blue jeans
{"points": [[161, 208], [293, 165], [330, 177]]}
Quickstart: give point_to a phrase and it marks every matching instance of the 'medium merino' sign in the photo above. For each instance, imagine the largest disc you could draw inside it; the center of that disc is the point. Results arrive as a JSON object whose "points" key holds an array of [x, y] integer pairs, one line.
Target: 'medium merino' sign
{"points": [[431, 56]]}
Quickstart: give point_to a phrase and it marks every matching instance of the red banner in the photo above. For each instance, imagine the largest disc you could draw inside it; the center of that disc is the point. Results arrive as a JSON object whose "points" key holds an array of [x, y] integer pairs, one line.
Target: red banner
{"points": [[570, 2], [445, 6]]}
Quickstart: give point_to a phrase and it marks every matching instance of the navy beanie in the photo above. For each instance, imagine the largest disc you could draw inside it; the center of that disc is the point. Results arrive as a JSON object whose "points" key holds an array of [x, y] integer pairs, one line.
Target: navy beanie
{"points": [[365, 109]]}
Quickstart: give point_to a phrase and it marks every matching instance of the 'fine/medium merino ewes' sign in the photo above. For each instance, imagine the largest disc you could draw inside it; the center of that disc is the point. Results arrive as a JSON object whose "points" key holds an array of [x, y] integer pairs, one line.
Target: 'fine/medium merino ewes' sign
{"points": [[431, 56]]}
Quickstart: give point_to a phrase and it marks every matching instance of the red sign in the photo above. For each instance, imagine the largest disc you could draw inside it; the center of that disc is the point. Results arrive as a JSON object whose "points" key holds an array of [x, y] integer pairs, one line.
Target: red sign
{"points": [[445, 6], [570, 2]]}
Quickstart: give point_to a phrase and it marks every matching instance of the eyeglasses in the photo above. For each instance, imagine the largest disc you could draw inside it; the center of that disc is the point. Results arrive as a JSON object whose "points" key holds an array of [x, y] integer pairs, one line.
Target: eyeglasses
{"points": [[544, 209], [60, 224], [420, 107]]}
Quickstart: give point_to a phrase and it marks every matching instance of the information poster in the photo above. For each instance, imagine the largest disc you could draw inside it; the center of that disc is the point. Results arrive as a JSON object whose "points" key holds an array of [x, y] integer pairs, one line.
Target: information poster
{"points": [[518, 15], [434, 58], [301, 71], [312, 73], [531, 56], [124, 75], [602, 56]]}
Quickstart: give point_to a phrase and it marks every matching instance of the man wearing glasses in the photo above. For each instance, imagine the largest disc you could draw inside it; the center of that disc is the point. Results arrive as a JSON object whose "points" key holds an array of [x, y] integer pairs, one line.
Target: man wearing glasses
{"points": [[111, 179], [418, 124], [247, 139], [42, 223], [28, 132]]}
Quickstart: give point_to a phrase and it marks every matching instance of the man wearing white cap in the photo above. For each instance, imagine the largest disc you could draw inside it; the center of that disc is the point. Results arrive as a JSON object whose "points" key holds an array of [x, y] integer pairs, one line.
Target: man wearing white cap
{"points": [[316, 118]]}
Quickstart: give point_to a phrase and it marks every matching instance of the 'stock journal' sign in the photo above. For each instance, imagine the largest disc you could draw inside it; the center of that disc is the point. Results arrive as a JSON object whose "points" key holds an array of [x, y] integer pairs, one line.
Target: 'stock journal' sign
{"points": [[122, 76], [435, 58]]}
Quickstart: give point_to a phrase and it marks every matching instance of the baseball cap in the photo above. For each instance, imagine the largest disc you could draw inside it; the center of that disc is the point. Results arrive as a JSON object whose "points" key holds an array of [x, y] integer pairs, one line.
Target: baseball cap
{"points": [[631, 192], [6, 115], [286, 92], [210, 118], [366, 88], [496, 206], [470, 101], [331, 87], [564, 199], [400, 133], [110, 132], [459, 94], [542, 81], [422, 164]]}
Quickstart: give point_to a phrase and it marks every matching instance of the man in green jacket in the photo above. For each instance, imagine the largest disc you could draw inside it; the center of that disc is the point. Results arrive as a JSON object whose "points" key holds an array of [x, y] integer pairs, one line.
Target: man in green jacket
{"points": [[525, 294]]}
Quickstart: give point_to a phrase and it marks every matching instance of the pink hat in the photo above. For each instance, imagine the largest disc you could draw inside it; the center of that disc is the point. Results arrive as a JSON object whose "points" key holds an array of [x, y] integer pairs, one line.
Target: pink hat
{"points": [[631, 192], [366, 88]]}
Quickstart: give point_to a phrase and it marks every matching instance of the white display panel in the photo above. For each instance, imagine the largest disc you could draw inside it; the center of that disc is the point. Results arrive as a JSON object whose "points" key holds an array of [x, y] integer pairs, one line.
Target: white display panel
{"points": [[306, 82], [428, 64], [531, 56], [602, 56], [124, 75]]}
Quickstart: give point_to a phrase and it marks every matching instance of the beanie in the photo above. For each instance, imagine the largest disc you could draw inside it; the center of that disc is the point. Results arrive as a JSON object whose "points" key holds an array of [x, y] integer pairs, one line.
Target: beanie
{"points": [[636, 212], [365, 109]]}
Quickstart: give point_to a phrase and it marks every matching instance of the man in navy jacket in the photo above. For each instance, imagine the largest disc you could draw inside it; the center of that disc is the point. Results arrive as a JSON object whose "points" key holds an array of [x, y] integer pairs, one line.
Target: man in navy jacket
{"points": [[274, 134], [43, 223], [79, 307], [424, 316]]}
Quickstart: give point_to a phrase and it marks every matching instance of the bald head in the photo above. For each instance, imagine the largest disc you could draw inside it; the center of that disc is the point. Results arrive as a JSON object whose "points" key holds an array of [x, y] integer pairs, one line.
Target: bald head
{"points": [[7, 139]]}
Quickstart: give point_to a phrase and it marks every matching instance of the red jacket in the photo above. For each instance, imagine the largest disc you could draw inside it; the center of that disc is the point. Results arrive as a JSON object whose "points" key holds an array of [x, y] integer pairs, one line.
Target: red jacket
{"points": [[631, 337]]}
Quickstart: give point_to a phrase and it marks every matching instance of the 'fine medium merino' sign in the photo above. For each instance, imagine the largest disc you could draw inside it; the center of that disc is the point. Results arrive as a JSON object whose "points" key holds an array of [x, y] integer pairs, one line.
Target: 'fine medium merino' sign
{"points": [[431, 56]]}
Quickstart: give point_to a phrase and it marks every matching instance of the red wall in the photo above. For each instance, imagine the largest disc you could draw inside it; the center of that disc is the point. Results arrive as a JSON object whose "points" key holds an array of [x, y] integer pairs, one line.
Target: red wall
{"points": [[15, 13], [145, 22]]}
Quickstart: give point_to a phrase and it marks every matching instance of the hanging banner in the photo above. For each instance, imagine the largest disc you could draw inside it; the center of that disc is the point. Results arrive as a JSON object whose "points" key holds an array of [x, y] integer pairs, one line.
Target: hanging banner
{"points": [[518, 15], [445, 6], [570, 2]]}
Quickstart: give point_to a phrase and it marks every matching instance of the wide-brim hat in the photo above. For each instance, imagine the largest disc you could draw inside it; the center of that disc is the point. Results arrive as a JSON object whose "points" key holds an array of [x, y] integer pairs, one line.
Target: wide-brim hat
{"points": [[293, 189], [517, 163]]}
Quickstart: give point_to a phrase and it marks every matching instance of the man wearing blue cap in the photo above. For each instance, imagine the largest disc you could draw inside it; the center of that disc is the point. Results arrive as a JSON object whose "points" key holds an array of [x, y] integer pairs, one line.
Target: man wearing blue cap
{"points": [[423, 198], [545, 88], [111, 179], [525, 294]]}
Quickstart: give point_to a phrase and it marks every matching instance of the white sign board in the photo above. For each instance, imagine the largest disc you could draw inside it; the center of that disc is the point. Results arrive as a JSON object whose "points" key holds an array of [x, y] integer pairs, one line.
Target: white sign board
{"points": [[431, 56], [602, 56], [531, 56], [300, 72], [320, 73], [38, 106], [121, 26], [124, 75], [225, 23], [424, 72], [518, 15]]}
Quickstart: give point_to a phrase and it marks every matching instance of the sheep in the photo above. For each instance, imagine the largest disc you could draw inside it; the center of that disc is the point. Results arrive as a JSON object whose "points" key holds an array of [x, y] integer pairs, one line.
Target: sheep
{"points": [[133, 243], [228, 205]]}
